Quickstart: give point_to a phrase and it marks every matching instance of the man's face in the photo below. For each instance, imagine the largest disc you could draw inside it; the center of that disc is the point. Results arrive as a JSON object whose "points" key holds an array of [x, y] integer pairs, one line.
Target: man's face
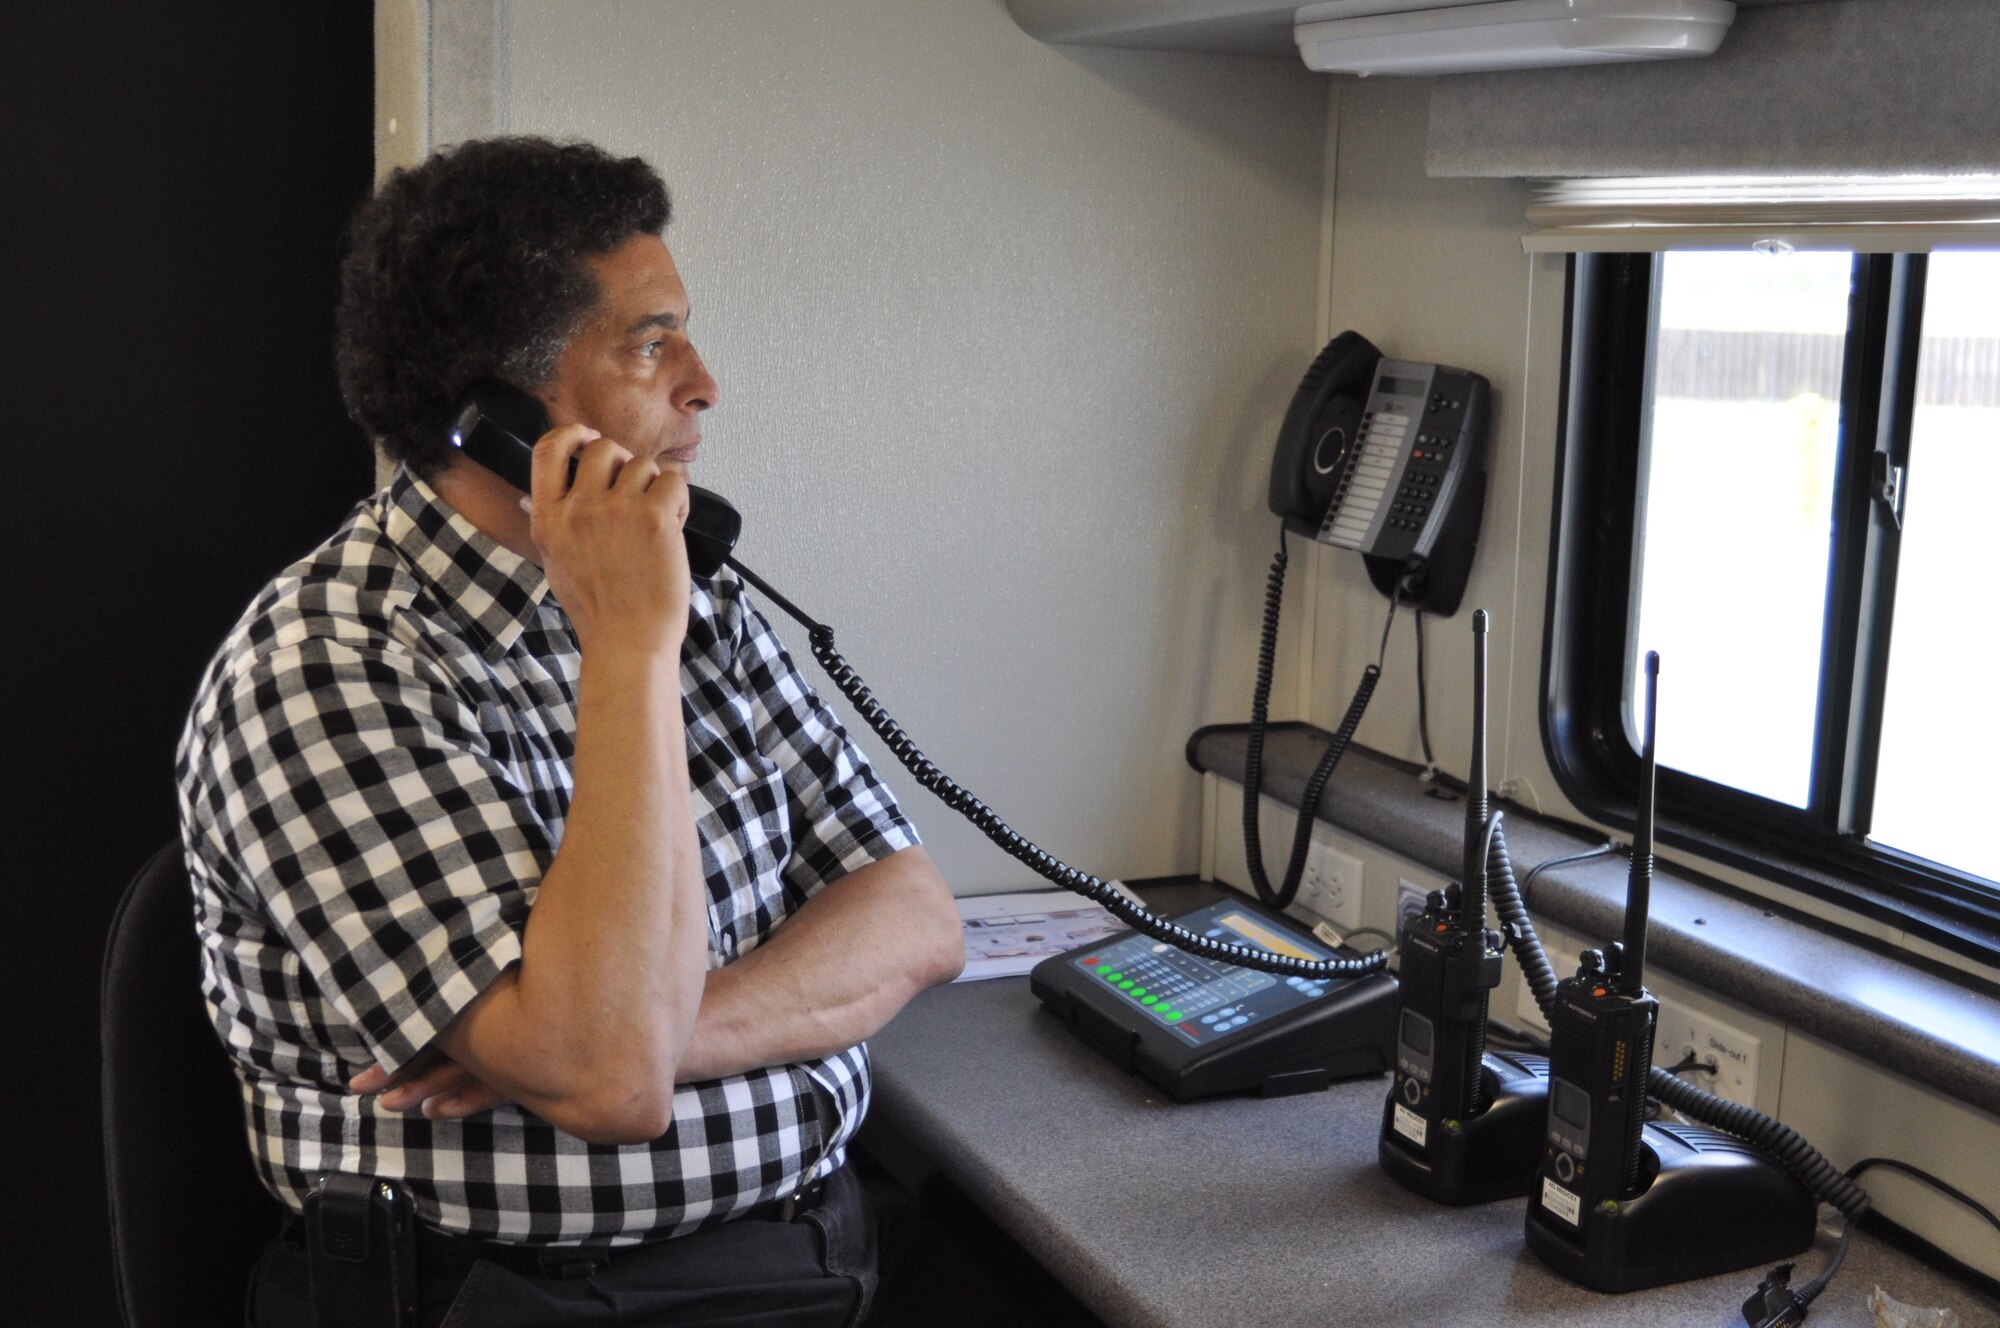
{"points": [[631, 373]]}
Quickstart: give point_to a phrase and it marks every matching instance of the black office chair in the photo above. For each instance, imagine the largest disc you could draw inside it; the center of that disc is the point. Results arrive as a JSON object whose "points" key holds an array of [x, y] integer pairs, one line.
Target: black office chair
{"points": [[188, 1214]]}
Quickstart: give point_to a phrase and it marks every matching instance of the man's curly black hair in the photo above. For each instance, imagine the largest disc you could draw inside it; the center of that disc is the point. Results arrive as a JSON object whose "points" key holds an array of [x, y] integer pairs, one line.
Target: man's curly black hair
{"points": [[473, 263]]}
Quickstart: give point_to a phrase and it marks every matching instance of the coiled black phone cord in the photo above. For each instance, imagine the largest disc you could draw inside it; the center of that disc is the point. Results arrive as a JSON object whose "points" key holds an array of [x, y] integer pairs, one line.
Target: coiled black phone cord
{"points": [[1253, 759], [1093, 888]]}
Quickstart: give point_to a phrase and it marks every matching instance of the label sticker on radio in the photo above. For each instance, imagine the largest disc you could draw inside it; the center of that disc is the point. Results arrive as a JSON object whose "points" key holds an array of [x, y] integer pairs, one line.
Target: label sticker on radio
{"points": [[1560, 1201], [1409, 1124]]}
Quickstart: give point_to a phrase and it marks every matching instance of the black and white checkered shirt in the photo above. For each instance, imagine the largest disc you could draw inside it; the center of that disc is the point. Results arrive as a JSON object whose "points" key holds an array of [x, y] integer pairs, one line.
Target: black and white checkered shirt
{"points": [[374, 776]]}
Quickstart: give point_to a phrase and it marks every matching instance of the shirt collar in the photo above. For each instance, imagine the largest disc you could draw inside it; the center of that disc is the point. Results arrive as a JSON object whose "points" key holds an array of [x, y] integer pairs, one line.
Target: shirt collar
{"points": [[492, 590]]}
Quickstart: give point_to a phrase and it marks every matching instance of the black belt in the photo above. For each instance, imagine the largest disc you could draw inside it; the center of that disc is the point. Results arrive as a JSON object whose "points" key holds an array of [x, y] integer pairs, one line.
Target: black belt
{"points": [[449, 1254]]}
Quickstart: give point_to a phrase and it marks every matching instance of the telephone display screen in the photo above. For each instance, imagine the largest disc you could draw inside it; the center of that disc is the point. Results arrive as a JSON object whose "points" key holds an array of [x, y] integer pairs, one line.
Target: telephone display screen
{"points": [[1198, 999], [1402, 387]]}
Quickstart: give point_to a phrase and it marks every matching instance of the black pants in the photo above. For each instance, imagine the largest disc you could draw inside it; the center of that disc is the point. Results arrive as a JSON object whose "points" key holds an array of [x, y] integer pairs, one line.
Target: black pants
{"points": [[816, 1271]]}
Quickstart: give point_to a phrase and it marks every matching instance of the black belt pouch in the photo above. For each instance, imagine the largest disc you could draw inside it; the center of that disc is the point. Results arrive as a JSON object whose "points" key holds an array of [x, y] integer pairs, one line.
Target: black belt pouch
{"points": [[361, 1252]]}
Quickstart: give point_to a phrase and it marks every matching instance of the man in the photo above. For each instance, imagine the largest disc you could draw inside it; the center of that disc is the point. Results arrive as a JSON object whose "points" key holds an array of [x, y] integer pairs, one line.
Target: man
{"points": [[530, 875]]}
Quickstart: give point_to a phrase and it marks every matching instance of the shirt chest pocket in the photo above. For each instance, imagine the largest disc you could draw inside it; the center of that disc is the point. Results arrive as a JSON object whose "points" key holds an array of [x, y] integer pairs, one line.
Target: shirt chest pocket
{"points": [[745, 829]]}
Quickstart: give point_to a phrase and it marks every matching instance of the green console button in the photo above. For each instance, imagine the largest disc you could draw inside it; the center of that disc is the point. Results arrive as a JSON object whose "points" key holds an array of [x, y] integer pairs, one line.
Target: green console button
{"points": [[1113, 976], [1149, 1000], [1138, 991], [1171, 1015], [1126, 985]]}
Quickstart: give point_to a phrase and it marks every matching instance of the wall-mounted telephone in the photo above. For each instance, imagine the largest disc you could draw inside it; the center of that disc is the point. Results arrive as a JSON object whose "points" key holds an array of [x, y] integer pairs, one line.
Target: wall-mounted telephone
{"points": [[1383, 457], [497, 424]]}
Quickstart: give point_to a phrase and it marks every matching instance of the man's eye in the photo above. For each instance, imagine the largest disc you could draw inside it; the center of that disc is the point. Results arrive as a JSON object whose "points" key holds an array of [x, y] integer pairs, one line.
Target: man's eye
{"points": [[651, 348]]}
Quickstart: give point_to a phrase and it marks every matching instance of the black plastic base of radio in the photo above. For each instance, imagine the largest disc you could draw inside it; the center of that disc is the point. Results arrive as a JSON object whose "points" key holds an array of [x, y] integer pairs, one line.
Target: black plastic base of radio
{"points": [[1710, 1204], [1494, 1155]]}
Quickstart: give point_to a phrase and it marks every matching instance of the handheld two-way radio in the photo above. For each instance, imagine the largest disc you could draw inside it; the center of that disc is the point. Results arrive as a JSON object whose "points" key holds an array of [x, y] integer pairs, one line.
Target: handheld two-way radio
{"points": [[1461, 1124], [1621, 1204]]}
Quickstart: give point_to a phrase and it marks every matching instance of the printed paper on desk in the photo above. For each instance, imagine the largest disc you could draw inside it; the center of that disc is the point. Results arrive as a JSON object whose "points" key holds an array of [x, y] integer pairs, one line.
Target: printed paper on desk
{"points": [[1006, 935]]}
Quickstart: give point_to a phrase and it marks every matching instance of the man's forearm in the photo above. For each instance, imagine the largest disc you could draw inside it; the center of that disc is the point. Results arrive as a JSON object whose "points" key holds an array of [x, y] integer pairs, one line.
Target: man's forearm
{"points": [[588, 1027], [835, 973]]}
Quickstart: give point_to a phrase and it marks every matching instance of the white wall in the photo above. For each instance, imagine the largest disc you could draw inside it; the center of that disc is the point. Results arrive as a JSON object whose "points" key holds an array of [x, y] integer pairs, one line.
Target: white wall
{"points": [[1004, 333], [1433, 270]]}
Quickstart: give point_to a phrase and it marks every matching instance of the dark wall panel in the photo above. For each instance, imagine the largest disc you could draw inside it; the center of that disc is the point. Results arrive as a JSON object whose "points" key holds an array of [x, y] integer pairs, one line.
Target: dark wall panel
{"points": [[174, 180]]}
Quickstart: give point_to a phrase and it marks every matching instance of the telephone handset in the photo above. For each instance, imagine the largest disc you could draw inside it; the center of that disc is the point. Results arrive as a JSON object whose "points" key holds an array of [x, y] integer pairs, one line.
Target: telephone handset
{"points": [[1383, 457], [496, 424]]}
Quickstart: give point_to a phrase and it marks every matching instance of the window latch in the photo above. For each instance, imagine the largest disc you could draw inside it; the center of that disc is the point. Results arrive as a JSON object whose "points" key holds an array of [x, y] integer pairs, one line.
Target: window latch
{"points": [[1886, 484]]}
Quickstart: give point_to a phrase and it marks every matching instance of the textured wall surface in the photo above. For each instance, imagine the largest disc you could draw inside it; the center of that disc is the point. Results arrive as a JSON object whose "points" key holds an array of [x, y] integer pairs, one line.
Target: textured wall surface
{"points": [[1843, 87], [1004, 332], [1433, 270]]}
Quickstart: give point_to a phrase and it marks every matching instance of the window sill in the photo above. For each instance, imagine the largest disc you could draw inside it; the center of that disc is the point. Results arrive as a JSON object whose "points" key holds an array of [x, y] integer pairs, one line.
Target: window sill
{"points": [[1936, 1026]]}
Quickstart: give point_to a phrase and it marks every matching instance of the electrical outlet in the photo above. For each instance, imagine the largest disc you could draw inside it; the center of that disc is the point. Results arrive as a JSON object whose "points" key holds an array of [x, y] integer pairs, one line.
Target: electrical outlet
{"points": [[1340, 878], [1330, 885], [1312, 878], [1733, 1051]]}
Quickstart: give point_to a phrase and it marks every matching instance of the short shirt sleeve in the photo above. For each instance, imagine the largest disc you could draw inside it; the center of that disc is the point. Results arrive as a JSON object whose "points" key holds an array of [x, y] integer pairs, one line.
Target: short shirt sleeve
{"points": [[842, 815], [352, 798]]}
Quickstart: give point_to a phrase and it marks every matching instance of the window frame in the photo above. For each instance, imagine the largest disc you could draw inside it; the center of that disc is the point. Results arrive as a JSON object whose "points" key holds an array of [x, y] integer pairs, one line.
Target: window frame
{"points": [[1821, 849]]}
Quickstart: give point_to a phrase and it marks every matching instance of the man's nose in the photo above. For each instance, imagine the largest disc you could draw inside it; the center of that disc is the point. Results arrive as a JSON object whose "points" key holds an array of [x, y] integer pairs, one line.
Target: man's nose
{"points": [[697, 389]]}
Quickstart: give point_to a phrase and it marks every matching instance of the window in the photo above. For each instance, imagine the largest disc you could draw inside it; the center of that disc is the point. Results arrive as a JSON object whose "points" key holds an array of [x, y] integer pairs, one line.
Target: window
{"points": [[1779, 470]]}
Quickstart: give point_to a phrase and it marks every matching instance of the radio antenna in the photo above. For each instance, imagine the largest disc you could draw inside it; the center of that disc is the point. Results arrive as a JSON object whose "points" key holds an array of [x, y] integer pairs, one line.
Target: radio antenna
{"points": [[1473, 878], [1639, 886]]}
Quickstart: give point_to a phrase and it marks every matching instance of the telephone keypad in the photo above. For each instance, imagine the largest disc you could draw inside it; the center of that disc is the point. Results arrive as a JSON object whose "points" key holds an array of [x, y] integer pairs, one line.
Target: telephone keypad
{"points": [[1400, 472]]}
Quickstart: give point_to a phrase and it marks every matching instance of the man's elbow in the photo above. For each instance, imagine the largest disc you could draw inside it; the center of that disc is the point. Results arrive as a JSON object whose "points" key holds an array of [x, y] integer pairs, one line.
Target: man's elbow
{"points": [[623, 1109], [944, 952]]}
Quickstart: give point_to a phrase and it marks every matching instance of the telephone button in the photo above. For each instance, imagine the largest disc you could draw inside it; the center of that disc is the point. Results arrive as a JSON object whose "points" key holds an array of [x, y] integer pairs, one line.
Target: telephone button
{"points": [[1565, 1167]]}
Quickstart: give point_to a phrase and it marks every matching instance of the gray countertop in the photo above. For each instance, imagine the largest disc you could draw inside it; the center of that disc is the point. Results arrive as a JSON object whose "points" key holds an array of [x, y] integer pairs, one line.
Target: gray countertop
{"points": [[1243, 1211]]}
